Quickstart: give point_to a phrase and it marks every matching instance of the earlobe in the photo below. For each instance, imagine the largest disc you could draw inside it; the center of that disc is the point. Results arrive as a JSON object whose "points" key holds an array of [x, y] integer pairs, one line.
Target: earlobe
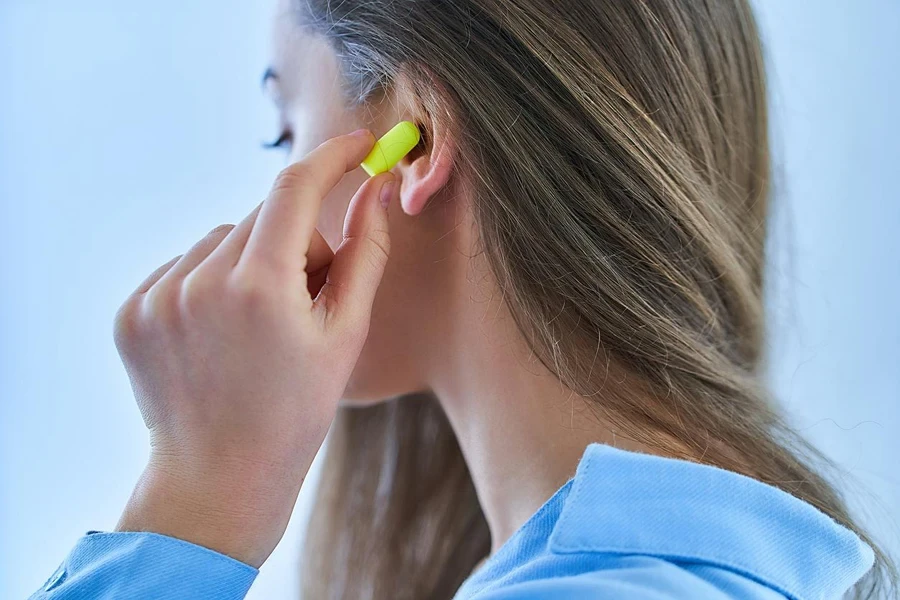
{"points": [[426, 173]]}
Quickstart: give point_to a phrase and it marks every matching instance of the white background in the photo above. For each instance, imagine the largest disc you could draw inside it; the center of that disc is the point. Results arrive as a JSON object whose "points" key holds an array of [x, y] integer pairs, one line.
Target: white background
{"points": [[128, 130]]}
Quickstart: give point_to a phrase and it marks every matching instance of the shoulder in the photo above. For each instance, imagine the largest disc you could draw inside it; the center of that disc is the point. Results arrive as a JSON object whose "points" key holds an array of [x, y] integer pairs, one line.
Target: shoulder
{"points": [[640, 581], [640, 527]]}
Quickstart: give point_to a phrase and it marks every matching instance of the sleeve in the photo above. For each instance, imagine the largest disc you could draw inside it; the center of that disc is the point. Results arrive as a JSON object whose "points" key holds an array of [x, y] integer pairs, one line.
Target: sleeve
{"points": [[141, 566]]}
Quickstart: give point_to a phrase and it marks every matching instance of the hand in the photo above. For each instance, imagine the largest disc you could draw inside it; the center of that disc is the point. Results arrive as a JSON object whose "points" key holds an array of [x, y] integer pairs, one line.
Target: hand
{"points": [[239, 350]]}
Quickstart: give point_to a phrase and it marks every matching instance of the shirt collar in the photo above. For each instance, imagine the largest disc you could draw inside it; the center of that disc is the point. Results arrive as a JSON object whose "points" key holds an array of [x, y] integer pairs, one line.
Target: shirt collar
{"points": [[633, 503]]}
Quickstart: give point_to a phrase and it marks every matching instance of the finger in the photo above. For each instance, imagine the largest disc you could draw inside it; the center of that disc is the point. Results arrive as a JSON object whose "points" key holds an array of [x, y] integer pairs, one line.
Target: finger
{"points": [[193, 257], [227, 254], [358, 264], [229, 251], [155, 276], [284, 228], [318, 259]]}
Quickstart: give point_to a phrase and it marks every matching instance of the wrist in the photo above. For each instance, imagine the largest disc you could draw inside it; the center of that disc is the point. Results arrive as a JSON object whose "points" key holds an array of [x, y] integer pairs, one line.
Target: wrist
{"points": [[235, 507]]}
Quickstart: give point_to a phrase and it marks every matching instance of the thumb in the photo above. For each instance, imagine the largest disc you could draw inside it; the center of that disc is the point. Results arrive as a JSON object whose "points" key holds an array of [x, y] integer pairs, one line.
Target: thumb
{"points": [[359, 261]]}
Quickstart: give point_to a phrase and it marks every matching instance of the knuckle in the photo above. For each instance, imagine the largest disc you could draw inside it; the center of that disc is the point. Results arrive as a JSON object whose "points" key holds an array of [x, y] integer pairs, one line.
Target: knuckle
{"points": [[161, 306], [250, 292], [375, 246], [291, 177], [223, 229], [125, 324], [196, 296], [379, 244]]}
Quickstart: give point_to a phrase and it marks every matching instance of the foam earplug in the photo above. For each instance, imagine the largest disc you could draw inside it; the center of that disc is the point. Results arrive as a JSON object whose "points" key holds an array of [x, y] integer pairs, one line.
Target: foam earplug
{"points": [[391, 147]]}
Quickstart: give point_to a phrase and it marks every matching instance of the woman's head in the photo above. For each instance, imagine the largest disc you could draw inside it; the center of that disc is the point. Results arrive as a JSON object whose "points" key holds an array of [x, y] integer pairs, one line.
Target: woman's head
{"points": [[628, 200], [608, 163]]}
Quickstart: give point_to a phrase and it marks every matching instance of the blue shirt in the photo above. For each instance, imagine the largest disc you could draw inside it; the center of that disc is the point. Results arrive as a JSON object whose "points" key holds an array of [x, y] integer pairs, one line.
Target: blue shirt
{"points": [[628, 526]]}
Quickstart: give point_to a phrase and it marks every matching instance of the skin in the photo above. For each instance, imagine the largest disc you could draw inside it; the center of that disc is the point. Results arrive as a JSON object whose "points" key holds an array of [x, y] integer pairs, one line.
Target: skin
{"points": [[212, 338], [224, 344]]}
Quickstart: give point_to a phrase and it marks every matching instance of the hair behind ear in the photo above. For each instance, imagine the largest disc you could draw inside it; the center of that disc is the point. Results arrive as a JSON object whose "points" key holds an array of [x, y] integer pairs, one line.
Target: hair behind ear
{"points": [[397, 480]]}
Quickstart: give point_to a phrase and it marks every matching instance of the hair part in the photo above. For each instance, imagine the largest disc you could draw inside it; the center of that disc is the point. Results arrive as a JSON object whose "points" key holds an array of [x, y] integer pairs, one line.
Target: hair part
{"points": [[620, 176]]}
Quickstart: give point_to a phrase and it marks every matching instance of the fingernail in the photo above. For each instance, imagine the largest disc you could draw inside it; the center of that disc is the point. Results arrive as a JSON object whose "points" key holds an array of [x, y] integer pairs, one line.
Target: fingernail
{"points": [[386, 191], [361, 133]]}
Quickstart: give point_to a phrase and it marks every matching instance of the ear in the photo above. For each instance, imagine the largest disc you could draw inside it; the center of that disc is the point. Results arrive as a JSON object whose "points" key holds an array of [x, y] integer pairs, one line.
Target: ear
{"points": [[426, 170]]}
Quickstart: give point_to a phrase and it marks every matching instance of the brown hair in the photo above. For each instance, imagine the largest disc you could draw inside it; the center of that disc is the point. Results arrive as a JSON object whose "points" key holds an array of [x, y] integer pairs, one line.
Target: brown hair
{"points": [[618, 157]]}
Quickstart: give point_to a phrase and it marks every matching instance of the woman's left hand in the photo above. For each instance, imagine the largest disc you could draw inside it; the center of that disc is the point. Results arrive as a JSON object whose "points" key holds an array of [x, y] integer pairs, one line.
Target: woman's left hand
{"points": [[239, 350]]}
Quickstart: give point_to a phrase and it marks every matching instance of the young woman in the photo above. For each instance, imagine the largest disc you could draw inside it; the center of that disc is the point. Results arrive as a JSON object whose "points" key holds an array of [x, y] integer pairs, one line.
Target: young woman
{"points": [[555, 392]]}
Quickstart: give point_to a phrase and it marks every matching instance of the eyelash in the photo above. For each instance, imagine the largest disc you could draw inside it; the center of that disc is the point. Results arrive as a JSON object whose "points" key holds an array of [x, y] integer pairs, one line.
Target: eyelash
{"points": [[283, 142]]}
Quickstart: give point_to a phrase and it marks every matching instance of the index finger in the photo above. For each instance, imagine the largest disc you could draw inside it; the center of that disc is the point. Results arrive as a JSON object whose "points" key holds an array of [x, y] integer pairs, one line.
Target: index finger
{"points": [[287, 220]]}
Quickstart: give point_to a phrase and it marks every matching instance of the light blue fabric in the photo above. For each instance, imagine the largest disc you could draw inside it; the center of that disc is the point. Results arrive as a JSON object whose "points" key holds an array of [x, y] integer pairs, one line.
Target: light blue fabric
{"points": [[141, 566], [633, 526], [628, 526]]}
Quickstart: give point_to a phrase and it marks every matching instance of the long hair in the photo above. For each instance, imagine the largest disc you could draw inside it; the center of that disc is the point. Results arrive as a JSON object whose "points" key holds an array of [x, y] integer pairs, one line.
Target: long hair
{"points": [[618, 159]]}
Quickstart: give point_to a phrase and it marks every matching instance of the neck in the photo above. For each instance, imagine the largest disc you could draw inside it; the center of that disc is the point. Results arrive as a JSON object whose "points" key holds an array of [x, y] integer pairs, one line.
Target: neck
{"points": [[522, 432]]}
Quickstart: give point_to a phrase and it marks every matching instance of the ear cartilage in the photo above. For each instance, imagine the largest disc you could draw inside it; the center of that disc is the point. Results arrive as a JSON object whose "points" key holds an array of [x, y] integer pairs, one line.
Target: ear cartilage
{"points": [[391, 147]]}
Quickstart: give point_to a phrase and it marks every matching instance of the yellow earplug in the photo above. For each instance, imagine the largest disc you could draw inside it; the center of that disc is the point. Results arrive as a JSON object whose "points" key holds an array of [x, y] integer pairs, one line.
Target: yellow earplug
{"points": [[390, 148]]}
